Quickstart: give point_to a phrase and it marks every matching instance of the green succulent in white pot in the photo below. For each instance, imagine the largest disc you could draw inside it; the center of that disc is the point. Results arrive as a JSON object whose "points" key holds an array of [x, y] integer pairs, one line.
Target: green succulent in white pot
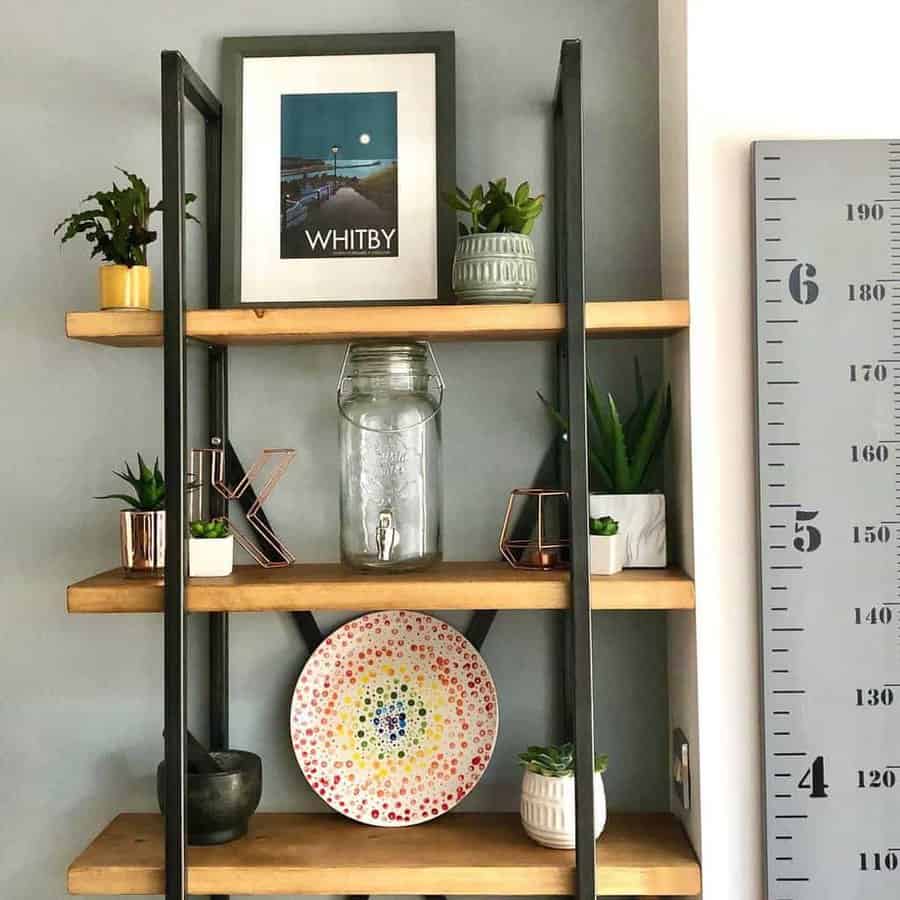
{"points": [[548, 795], [623, 450], [210, 548], [495, 259]]}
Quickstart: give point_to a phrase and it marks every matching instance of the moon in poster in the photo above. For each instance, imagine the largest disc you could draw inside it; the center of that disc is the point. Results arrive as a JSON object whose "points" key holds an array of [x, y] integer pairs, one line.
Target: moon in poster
{"points": [[365, 138]]}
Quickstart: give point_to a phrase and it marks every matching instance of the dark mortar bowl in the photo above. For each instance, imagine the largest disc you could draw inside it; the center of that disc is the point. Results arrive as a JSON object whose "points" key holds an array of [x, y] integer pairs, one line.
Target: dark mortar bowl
{"points": [[219, 804]]}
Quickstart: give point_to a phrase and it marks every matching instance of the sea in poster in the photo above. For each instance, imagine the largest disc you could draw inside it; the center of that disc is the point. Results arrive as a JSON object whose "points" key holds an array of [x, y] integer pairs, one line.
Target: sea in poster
{"points": [[339, 175]]}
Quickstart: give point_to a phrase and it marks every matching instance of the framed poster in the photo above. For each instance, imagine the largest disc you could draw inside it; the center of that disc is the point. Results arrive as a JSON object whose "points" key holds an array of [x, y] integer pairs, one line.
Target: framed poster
{"points": [[336, 150]]}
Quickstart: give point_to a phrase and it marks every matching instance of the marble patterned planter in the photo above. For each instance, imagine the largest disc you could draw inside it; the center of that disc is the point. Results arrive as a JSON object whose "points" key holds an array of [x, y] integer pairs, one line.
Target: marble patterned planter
{"points": [[548, 809], [499, 267], [642, 525]]}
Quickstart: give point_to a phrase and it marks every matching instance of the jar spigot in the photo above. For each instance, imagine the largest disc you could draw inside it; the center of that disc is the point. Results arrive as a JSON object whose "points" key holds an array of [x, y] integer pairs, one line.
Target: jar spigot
{"points": [[386, 535]]}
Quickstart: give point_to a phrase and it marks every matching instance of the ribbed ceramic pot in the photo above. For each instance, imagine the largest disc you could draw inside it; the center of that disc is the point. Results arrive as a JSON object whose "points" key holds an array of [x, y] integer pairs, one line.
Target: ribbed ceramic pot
{"points": [[143, 541], [548, 809], [499, 267]]}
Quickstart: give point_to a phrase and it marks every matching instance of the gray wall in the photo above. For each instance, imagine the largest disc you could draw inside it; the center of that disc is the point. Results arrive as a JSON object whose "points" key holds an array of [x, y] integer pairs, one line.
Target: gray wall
{"points": [[81, 704]]}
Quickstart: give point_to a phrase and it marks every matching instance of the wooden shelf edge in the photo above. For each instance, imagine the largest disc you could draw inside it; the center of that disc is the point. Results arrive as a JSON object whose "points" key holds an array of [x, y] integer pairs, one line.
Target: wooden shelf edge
{"points": [[450, 585], [535, 321], [460, 853]]}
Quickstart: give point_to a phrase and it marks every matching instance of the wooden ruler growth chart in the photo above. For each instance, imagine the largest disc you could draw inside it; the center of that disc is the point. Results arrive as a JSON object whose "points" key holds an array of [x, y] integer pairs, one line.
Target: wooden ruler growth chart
{"points": [[827, 254]]}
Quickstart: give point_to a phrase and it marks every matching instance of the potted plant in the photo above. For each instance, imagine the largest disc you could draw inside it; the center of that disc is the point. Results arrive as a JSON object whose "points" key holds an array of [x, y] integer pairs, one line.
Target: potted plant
{"points": [[210, 548], [548, 795], [117, 224], [143, 526], [607, 549], [494, 258], [621, 455]]}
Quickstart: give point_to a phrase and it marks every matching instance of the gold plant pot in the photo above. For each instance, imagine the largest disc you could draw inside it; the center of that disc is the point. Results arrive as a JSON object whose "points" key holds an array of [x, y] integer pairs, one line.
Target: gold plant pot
{"points": [[124, 287], [143, 541]]}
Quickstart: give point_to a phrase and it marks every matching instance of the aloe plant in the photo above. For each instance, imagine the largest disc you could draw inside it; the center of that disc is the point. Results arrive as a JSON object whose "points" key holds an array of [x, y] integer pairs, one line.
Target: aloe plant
{"points": [[149, 487], [556, 761], [212, 528], [622, 450], [496, 209], [118, 224]]}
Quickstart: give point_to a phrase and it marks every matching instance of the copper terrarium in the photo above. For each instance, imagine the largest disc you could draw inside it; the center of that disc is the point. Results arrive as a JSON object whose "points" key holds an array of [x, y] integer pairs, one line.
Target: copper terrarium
{"points": [[532, 536]]}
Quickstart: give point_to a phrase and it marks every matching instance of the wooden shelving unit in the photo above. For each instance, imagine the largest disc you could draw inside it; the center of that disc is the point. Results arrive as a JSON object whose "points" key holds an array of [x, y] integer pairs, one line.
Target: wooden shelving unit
{"points": [[481, 854], [487, 322], [465, 853], [451, 585]]}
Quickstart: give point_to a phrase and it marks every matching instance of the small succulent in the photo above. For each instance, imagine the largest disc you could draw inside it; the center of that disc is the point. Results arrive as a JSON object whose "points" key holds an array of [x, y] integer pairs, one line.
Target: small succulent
{"points": [[118, 222], [149, 487], [621, 451], [605, 526], [556, 761], [211, 528], [496, 209]]}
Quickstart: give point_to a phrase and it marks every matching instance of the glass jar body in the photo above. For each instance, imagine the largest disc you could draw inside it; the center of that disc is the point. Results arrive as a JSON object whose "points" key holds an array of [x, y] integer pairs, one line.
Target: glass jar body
{"points": [[390, 451]]}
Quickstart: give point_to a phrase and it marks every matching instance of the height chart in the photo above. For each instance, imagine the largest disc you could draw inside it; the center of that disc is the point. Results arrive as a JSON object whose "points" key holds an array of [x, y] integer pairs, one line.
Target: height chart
{"points": [[827, 253]]}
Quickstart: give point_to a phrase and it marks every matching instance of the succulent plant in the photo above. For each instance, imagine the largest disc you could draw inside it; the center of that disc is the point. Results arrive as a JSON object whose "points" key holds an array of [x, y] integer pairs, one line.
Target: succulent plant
{"points": [[605, 526], [211, 528], [556, 762], [621, 451], [149, 487], [496, 209], [118, 224]]}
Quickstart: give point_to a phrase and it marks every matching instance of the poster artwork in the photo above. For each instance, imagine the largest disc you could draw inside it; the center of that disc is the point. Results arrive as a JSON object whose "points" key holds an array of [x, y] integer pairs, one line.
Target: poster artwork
{"points": [[339, 175]]}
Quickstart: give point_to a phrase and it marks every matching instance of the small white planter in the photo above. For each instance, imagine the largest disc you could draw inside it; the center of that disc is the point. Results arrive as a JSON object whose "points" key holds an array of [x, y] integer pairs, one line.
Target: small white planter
{"points": [[642, 525], [548, 809], [211, 557], [607, 554]]}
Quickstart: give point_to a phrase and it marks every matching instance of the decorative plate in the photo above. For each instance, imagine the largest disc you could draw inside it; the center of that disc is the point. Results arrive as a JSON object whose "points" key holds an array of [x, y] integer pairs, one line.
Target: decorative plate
{"points": [[394, 718]]}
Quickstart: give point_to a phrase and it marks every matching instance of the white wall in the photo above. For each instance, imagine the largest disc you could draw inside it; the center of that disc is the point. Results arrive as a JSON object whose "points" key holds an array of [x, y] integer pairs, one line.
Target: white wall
{"points": [[768, 69]]}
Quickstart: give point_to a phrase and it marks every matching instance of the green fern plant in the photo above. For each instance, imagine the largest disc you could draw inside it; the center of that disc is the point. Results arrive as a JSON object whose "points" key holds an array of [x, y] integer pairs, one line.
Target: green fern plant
{"points": [[149, 487], [118, 224], [621, 450], [496, 209], [556, 761]]}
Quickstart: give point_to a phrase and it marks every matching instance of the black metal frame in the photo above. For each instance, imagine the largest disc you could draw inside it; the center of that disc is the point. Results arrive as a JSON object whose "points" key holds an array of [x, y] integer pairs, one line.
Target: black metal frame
{"points": [[179, 83], [569, 234]]}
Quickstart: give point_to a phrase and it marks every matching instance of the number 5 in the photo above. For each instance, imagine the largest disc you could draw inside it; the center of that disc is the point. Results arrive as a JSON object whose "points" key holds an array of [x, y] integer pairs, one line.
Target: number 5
{"points": [[808, 537]]}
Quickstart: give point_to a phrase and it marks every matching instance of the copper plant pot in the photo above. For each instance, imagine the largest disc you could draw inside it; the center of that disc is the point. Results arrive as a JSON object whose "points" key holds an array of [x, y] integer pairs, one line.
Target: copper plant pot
{"points": [[143, 541]]}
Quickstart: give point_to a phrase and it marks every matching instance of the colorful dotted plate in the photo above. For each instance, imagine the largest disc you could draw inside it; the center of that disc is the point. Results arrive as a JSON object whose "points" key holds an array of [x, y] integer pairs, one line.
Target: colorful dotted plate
{"points": [[394, 718]]}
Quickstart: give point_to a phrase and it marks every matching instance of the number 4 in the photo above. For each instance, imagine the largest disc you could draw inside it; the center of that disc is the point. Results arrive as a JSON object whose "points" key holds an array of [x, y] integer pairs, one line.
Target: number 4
{"points": [[813, 779]]}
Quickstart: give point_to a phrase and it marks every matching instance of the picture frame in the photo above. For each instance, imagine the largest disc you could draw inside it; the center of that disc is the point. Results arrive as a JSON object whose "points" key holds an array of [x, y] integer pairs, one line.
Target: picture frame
{"points": [[319, 239]]}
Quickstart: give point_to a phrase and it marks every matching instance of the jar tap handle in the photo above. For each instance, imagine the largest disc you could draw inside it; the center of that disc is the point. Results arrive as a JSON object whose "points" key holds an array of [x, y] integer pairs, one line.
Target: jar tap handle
{"points": [[386, 536]]}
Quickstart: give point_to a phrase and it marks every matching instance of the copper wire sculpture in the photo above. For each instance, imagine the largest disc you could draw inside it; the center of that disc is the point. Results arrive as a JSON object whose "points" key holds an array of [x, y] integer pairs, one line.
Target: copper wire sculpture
{"points": [[276, 461]]}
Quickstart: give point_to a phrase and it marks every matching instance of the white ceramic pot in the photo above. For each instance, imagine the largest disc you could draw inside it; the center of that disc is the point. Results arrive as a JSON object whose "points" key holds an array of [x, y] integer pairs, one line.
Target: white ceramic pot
{"points": [[642, 525], [211, 557], [497, 267], [548, 809], [607, 554]]}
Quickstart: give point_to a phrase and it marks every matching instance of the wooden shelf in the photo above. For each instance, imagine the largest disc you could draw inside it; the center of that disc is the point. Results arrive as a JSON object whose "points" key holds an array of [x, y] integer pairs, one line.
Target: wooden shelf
{"points": [[468, 853], [449, 585], [488, 322]]}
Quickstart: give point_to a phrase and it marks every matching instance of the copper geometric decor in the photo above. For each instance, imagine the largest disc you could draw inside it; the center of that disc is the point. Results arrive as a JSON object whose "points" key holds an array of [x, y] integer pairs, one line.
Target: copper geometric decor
{"points": [[208, 468], [540, 517]]}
